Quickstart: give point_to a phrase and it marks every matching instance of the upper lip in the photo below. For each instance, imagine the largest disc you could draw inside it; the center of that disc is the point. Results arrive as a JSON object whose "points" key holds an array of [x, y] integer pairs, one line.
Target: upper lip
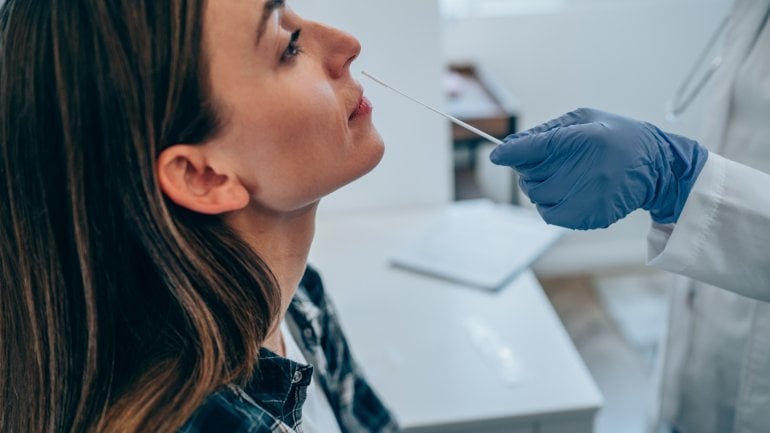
{"points": [[360, 93]]}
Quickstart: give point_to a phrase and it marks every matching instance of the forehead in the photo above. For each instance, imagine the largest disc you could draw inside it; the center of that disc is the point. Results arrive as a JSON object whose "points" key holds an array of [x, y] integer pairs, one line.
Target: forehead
{"points": [[232, 27], [223, 15], [237, 58]]}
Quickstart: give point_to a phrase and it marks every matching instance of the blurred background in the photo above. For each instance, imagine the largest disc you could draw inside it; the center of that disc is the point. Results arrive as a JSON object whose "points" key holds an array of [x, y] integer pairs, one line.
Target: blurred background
{"points": [[507, 65]]}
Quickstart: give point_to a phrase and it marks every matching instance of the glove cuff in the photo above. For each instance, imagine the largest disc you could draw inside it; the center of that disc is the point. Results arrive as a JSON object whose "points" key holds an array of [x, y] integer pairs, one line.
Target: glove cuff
{"points": [[686, 159]]}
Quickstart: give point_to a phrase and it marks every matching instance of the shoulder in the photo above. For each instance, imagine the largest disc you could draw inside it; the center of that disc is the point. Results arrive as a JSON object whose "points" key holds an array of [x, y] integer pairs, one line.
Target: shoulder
{"points": [[230, 411]]}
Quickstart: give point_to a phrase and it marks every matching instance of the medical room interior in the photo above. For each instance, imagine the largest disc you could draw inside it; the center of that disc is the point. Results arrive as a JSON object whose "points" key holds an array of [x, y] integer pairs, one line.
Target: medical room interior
{"points": [[466, 312]]}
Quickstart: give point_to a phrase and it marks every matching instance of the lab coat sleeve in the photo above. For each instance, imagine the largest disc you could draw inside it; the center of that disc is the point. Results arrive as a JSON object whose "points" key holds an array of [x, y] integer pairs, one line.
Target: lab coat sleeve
{"points": [[722, 237]]}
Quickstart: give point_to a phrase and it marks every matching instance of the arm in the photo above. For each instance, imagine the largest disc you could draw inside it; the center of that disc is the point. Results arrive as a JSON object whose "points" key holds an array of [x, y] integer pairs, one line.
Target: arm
{"points": [[588, 169], [723, 234]]}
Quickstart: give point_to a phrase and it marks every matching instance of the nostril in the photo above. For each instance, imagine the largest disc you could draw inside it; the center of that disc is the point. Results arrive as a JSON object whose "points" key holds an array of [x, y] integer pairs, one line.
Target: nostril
{"points": [[355, 51], [351, 60]]}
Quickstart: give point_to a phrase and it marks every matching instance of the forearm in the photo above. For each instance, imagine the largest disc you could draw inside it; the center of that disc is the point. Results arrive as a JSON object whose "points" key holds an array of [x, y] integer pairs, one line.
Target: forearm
{"points": [[723, 234]]}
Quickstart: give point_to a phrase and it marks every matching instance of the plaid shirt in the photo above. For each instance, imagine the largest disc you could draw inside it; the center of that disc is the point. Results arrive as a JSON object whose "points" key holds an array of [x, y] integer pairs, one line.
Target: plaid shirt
{"points": [[272, 401]]}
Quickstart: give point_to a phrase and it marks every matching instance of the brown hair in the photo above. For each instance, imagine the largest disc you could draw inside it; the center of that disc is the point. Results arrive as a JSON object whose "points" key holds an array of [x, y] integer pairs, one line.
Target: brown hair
{"points": [[119, 312]]}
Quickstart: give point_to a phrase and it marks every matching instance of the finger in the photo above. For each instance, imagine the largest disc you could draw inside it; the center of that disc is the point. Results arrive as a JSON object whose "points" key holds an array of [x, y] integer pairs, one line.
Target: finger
{"points": [[534, 145], [555, 215], [525, 186], [577, 215], [546, 192], [575, 117]]}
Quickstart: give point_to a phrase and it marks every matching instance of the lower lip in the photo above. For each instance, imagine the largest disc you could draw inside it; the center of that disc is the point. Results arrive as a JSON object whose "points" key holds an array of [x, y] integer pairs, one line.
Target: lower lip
{"points": [[364, 108]]}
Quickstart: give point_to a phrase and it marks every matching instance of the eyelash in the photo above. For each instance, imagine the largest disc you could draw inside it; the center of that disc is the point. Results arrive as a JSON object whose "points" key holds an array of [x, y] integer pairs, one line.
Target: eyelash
{"points": [[293, 49]]}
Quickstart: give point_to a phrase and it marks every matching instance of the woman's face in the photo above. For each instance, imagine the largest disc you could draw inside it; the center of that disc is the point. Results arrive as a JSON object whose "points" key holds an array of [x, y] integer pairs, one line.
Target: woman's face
{"points": [[295, 124]]}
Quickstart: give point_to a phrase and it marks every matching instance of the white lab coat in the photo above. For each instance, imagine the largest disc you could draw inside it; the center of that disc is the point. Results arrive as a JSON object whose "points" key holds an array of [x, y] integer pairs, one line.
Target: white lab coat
{"points": [[715, 375]]}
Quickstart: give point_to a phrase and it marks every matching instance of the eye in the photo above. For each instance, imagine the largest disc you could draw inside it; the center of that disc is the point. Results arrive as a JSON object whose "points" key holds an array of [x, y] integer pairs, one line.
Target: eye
{"points": [[293, 49]]}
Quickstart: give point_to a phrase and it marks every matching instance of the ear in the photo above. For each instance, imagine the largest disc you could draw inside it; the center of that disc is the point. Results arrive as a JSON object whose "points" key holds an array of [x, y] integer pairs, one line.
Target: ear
{"points": [[187, 178]]}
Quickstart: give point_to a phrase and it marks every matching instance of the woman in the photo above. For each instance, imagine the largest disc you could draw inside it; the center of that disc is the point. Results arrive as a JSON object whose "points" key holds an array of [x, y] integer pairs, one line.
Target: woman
{"points": [[161, 166]]}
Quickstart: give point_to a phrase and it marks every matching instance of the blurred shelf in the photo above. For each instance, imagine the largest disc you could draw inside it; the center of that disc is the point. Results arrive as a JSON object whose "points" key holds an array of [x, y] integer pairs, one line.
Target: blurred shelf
{"points": [[476, 98]]}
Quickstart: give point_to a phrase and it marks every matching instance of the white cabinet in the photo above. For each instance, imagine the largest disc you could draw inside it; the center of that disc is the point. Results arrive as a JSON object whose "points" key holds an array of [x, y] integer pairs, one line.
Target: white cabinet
{"points": [[410, 335]]}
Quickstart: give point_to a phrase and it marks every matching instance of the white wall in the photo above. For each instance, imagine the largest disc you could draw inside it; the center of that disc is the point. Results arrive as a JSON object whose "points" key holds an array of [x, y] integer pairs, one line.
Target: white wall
{"points": [[623, 56], [402, 45]]}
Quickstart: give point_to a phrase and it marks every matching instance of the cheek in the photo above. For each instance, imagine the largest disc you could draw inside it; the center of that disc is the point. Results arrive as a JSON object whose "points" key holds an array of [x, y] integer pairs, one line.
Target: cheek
{"points": [[317, 112], [301, 148], [315, 169], [294, 122]]}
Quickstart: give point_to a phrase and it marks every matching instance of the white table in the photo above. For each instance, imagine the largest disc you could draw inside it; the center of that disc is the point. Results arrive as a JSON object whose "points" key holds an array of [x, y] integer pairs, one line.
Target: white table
{"points": [[410, 334]]}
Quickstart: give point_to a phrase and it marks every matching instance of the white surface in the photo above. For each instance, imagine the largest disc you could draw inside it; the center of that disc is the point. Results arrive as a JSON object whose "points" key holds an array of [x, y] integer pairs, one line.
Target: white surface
{"points": [[409, 333], [401, 43], [465, 244]]}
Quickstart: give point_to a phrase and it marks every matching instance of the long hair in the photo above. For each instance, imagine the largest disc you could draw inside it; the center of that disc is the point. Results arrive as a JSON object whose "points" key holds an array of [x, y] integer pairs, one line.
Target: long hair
{"points": [[119, 312]]}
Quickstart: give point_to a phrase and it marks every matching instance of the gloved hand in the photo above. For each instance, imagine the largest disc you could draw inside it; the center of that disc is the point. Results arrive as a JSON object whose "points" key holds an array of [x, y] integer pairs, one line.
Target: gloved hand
{"points": [[588, 169]]}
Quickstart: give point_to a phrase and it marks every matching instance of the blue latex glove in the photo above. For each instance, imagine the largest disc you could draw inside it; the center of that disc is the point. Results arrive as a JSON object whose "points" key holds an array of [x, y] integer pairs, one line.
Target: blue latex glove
{"points": [[588, 169]]}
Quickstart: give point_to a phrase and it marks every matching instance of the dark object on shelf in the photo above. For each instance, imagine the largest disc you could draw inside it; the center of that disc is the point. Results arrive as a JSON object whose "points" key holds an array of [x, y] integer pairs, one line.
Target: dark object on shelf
{"points": [[478, 99], [475, 97]]}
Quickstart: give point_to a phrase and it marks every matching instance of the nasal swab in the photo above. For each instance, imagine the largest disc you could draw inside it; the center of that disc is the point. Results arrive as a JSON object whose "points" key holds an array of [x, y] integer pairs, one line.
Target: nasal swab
{"points": [[454, 120]]}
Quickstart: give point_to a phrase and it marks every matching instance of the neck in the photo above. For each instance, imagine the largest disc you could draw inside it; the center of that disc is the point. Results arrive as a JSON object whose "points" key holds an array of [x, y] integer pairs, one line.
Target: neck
{"points": [[283, 242]]}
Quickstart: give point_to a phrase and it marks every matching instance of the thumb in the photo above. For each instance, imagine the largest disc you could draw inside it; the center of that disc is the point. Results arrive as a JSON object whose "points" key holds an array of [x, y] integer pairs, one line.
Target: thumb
{"points": [[574, 117], [532, 146], [523, 150]]}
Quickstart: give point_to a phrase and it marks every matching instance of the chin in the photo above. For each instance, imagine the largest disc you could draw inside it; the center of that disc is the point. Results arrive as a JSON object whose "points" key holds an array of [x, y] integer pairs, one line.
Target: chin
{"points": [[375, 149], [362, 161], [364, 158]]}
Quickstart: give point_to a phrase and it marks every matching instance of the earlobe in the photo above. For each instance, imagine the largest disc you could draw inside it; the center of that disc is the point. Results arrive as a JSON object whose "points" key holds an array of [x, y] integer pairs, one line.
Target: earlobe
{"points": [[188, 179]]}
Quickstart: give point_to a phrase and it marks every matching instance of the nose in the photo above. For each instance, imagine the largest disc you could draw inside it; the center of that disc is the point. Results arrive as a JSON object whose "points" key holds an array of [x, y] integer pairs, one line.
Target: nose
{"points": [[342, 48]]}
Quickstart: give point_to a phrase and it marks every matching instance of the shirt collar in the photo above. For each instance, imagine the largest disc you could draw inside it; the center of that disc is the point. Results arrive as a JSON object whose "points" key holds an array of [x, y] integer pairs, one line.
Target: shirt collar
{"points": [[280, 386]]}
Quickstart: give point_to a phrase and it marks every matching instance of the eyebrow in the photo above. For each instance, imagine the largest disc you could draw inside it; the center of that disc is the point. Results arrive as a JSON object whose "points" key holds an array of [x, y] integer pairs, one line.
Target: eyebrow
{"points": [[270, 6]]}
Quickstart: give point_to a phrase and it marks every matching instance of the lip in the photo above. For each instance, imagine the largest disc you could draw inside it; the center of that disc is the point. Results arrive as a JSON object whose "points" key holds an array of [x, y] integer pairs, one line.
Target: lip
{"points": [[364, 108]]}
